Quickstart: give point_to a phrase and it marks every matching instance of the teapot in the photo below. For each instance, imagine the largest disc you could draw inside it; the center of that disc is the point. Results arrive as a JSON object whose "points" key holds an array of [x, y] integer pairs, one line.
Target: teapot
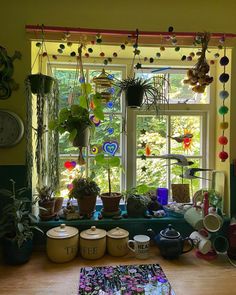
{"points": [[170, 242]]}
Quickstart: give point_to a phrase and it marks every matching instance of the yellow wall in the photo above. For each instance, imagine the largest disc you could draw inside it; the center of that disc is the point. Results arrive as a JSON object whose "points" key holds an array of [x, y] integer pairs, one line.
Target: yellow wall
{"points": [[153, 15]]}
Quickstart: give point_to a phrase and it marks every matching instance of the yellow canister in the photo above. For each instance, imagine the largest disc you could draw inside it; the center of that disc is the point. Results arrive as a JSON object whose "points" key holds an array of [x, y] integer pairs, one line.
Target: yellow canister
{"points": [[93, 243], [62, 243], [117, 240]]}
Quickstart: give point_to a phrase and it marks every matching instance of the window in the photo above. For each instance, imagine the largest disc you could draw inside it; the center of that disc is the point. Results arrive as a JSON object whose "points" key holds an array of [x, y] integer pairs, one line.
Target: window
{"points": [[109, 130], [147, 137]]}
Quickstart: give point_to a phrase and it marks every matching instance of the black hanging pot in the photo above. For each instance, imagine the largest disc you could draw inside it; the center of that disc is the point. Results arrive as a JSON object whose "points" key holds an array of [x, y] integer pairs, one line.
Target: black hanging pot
{"points": [[40, 83], [15, 255], [82, 137], [134, 96]]}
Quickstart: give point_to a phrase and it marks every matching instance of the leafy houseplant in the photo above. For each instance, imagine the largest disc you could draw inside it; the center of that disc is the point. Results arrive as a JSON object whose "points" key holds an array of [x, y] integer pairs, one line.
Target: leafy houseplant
{"points": [[74, 120], [15, 226], [85, 190], [137, 201], [148, 92], [110, 199], [49, 205]]}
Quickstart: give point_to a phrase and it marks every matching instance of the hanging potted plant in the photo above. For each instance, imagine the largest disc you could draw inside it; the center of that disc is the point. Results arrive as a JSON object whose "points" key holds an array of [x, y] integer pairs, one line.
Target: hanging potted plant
{"points": [[74, 120], [110, 200], [143, 92], [16, 230], [85, 190]]}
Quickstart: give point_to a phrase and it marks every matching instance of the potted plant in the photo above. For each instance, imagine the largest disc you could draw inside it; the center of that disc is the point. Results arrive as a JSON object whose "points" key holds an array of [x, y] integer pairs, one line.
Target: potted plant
{"points": [[48, 203], [148, 92], [110, 200], [85, 190], [15, 226], [74, 120], [137, 200]]}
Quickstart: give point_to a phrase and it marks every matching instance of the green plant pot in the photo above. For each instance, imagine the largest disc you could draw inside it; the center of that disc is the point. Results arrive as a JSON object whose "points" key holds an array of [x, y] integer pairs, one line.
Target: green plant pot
{"points": [[134, 96], [40, 84], [82, 138], [14, 255]]}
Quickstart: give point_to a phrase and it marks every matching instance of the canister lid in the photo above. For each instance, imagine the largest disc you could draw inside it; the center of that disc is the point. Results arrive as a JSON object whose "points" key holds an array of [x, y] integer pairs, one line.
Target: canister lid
{"points": [[117, 233], [93, 233], [62, 232]]}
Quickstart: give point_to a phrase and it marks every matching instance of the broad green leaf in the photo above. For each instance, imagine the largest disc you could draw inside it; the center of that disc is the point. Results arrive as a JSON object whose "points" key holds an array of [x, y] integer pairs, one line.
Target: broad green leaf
{"points": [[63, 115], [86, 88], [83, 102], [98, 113], [75, 110], [100, 159], [114, 161], [52, 124]]}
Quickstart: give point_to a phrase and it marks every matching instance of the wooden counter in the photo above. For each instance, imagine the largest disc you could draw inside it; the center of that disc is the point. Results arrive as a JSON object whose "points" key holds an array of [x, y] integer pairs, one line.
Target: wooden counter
{"points": [[188, 275]]}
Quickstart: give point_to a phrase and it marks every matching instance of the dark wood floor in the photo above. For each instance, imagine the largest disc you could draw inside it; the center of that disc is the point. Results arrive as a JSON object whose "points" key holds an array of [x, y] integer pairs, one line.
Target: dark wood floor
{"points": [[188, 275]]}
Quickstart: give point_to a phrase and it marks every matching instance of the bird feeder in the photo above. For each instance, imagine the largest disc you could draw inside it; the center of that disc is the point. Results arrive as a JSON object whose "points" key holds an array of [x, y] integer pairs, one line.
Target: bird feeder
{"points": [[103, 86]]}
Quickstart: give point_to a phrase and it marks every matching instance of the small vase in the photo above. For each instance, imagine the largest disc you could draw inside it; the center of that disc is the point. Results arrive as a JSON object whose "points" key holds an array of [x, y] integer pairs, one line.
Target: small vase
{"points": [[134, 96]]}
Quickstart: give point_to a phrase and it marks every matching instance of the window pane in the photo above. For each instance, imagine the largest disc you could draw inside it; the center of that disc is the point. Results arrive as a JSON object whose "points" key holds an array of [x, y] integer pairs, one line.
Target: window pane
{"points": [[151, 133], [182, 128], [182, 93], [101, 177], [151, 172]]}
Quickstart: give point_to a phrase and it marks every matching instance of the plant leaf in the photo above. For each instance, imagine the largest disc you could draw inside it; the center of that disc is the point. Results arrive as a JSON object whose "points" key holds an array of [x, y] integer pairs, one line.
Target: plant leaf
{"points": [[20, 227], [73, 134], [98, 113], [83, 102]]}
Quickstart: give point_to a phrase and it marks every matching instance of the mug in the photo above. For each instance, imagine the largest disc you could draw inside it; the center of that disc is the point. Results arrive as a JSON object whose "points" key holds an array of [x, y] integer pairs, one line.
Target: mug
{"points": [[194, 217], [202, 243], [140, 246], [220, 244], [212, 222]]}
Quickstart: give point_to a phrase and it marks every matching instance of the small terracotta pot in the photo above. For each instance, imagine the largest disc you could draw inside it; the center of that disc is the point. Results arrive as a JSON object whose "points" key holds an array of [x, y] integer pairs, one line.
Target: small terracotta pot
{"points": [[49, 213], [111, 202], [58, 204], [87, 205]]}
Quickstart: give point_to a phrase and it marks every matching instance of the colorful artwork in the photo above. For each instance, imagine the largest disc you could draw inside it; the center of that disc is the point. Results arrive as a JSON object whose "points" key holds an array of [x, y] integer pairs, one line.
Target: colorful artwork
{"points": [[143, 279], [110, 147]]}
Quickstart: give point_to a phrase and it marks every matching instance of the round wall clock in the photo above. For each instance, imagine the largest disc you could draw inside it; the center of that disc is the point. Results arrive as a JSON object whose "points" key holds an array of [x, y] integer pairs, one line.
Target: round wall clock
{"points": [[11, 128]]}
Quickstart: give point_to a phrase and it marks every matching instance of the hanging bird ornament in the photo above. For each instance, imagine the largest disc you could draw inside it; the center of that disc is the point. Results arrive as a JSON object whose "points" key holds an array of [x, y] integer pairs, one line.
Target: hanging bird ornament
{"points": [[190, 173], [181, 159], [181, 138]]}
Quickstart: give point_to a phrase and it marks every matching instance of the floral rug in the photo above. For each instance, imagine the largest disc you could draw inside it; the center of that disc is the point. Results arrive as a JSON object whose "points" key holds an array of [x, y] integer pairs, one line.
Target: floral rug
{"points": [[148, 279]]}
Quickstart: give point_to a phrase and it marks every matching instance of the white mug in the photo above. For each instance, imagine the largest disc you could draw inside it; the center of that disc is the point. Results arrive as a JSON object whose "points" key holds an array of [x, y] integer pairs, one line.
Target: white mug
{"points": [[202, 243], [212, 222], [141, 244]]}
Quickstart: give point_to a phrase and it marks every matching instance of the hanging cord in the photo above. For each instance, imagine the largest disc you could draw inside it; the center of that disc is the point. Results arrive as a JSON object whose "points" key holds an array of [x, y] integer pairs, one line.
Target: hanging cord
{"points": [[82, 73], [131, 74]]}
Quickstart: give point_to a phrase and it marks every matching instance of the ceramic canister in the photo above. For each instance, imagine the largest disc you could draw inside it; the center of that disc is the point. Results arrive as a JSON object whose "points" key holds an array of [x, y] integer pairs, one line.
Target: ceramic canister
{"points": [[62, 243], [117, 239], [93, 243]]}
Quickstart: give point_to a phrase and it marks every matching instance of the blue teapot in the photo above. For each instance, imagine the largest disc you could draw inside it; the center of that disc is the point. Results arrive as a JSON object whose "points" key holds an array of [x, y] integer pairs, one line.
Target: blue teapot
{"points": [[170, 242]]}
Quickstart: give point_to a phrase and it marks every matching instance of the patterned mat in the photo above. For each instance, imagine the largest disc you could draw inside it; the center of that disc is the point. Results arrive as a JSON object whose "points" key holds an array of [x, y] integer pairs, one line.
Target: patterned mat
{"points": [[148, 279]]}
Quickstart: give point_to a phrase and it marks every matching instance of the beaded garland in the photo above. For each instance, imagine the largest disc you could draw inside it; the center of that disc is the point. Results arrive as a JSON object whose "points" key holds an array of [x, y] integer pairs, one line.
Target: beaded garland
{"points": [[223, 110]]}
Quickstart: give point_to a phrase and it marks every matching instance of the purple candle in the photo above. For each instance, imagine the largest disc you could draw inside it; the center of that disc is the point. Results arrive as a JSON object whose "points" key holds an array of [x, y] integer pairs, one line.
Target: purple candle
{"points": [[162, 195]]}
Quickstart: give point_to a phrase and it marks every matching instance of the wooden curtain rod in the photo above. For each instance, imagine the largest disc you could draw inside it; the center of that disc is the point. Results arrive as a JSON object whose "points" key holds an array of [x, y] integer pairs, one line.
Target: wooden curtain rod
{"points": [[56, 29]]}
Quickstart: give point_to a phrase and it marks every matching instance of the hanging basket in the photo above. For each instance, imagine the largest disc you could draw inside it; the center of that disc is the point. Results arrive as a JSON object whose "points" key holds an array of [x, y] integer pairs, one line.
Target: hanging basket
{"points": [[82, 138], [134, 96], [40, 83]]}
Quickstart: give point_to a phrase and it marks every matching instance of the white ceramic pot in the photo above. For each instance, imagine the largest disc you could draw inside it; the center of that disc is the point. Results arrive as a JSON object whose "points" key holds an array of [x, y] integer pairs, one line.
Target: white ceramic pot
{"points": [[93, 243], [62, 243], [117, 239]]}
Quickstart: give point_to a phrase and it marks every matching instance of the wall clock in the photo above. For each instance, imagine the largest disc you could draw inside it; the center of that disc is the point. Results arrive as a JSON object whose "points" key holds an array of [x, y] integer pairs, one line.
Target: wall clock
{"points": [[11, 128]]}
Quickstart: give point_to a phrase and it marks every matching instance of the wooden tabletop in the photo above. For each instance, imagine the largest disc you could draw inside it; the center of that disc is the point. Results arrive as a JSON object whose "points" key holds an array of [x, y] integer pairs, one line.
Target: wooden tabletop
{"points": [[188, 275]]}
